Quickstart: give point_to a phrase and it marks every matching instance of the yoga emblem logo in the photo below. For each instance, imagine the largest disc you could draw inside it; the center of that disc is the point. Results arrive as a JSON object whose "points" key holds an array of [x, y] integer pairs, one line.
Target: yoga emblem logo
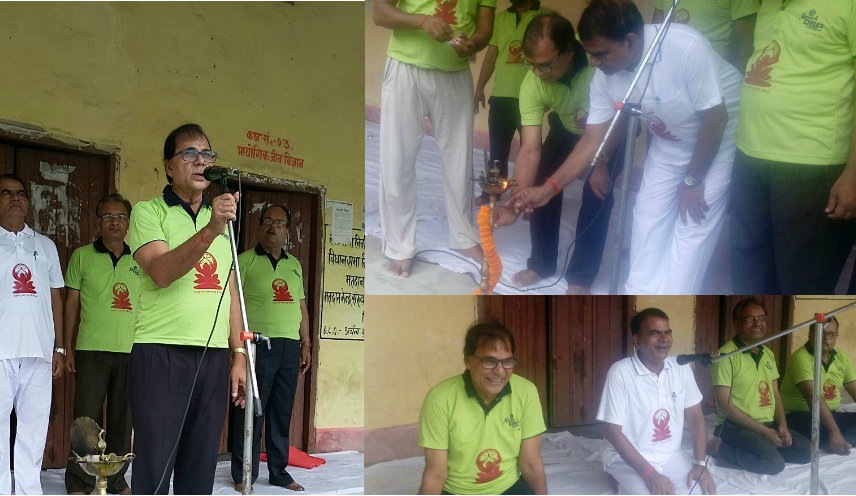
{"points": [[658, 127], [682, 16], [515, 53], [512, 421], [206, 273], [830, 392], [488, 464], [280, 290], [446, 10], [764, 391], [661, 425], [580, 117], [23, 280], [759, 73], [121, 297]]}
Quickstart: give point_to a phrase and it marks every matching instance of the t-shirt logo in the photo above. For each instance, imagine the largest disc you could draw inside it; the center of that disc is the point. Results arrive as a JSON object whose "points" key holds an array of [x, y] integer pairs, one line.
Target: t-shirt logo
{"points": [[280, 290], [764, 391], [23, 280], [446, 10], [661, 425], [682, 16], [512, 421], [121, 297], [759, 73], [515, 53], [830, 392], [811, 20], [658, 127], [206, 273], [580, 117], [487, 463]]}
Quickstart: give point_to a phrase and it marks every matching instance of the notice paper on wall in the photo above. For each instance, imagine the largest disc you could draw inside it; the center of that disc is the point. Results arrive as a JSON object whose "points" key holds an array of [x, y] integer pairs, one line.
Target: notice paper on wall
{"points": [[341, 221]]}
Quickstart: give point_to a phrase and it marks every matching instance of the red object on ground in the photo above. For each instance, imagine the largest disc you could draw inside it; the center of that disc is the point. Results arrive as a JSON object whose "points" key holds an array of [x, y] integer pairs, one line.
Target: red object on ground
{"points": [[297, 458]]}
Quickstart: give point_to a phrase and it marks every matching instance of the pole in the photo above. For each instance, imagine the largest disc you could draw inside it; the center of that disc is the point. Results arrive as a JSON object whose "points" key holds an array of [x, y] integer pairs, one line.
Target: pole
{"points": [[815, 401], [632, 128]]}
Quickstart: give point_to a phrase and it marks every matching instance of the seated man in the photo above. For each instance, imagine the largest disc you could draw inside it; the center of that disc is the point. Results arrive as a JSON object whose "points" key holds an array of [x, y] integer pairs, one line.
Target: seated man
{"points": [[481, 430], [644, 403], [837, 429], [751, 428]]}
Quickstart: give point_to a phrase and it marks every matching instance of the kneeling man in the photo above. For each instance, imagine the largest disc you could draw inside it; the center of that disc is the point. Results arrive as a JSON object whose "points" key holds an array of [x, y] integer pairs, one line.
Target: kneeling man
{"points": [[481, 430], [644, 403]]}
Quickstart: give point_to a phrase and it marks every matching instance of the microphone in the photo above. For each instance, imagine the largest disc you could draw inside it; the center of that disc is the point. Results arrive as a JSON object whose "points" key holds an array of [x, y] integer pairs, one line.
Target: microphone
{"points": [[215, 173], [704, 358]]}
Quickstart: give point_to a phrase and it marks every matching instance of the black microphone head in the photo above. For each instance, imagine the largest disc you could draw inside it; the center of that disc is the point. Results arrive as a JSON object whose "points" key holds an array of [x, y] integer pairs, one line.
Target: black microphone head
{"points": [[215, 173], [682, 359]]}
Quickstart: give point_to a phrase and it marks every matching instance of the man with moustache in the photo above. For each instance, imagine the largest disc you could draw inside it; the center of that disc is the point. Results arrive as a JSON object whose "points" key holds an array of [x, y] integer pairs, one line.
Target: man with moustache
{"points": [[31, 344], [102, 288], [837, 429], [481, 430], [751, 429], [644, 404], [276, 307]]}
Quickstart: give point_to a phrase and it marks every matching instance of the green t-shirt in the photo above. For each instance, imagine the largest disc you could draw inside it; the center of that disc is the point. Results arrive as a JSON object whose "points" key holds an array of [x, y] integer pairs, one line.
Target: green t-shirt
{"points": [[750, 380], [109, 297], [415, 47], [833, 376], [184, 312], [796, 105], [482, 448], [272, 295], [712, 18], [508, 30], [570, 100]]}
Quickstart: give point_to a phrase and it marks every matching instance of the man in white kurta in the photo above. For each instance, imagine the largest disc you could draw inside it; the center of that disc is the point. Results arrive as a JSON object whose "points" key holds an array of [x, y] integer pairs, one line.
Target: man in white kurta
{"points": [[31, 341], [645, 401]]}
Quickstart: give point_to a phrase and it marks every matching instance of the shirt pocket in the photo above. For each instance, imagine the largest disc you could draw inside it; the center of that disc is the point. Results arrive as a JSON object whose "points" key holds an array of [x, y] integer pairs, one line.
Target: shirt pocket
{"points": [[673, 118]]}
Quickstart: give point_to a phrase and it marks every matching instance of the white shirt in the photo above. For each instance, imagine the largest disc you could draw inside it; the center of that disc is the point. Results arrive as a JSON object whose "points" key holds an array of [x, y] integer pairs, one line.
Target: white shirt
{"points": [[649, 407], [29, 268], [687, 77]]}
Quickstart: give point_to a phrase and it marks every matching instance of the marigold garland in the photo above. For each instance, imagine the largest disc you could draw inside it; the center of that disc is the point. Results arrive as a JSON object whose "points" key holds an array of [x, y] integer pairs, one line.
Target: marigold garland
{"points": [[494, 264]]}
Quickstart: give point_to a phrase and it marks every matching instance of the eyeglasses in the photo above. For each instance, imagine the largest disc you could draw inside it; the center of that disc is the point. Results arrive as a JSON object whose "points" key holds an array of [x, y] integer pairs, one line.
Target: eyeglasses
{"points": [[830, 335], [190, 155], [491, 363], [749, 320], [277, 223], [542, 68], [111, 217]]}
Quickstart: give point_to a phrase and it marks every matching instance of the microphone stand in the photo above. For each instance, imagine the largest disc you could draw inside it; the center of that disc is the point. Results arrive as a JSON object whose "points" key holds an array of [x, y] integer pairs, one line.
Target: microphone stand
{"points": [[635, 111], [818, 320], [252, 389]]}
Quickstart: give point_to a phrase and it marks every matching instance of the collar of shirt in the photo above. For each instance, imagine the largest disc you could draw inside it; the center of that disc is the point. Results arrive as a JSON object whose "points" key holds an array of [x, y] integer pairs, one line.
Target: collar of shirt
{"points": [[261, 252], [100, 248], [640, 367], [755, 356], [471, 392], [173, 200], [26, 231], [809, 347]]}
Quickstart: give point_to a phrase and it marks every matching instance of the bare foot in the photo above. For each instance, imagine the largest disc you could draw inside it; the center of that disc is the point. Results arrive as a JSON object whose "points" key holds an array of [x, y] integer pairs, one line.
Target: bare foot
{"points": [[525, 278], [474, 252], [576, 289], [713, 446], [400, 267], [295, 487]]}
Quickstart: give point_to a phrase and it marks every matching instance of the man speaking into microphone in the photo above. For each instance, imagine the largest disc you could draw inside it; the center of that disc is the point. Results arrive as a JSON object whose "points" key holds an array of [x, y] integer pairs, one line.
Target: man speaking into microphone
{"points": [[188, 319]]}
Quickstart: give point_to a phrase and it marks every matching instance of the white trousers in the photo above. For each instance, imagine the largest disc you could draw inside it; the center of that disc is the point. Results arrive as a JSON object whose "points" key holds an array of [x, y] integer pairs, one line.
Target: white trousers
{"points": [[408, 94], [676, 468], [666, 255], [25, 383]]}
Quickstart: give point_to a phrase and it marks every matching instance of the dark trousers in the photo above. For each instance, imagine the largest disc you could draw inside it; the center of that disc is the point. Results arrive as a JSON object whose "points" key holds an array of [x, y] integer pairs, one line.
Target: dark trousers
{"points": [[846, 421], [592, 220], [159, 384], [781, 240], [503, 119], [102, 375], [276, 372], [519, 487], [753, 452]]}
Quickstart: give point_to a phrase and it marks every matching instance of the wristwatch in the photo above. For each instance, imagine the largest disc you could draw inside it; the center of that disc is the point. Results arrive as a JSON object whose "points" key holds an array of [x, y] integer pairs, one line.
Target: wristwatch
{"points": [[59, 350], [690, 181], [701, 463]]}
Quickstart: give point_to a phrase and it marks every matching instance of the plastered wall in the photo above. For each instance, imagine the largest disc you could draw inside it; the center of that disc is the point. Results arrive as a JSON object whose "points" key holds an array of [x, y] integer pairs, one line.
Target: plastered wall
{"points": [[120, 76]]}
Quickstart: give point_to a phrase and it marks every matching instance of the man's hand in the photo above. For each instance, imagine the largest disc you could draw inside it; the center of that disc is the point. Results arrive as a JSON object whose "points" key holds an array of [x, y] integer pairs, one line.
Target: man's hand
{"points": [[305, 358], [437, 28], [772, 436], [784, 435], [463, 45], [57, 364], [691, 200], [478, 98], [69, 361], [708, 486], [223, 209], [599, 181], [528, 199], [659, 484], [841, 204], [837, 444], [504, 216], [238, 379]]}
